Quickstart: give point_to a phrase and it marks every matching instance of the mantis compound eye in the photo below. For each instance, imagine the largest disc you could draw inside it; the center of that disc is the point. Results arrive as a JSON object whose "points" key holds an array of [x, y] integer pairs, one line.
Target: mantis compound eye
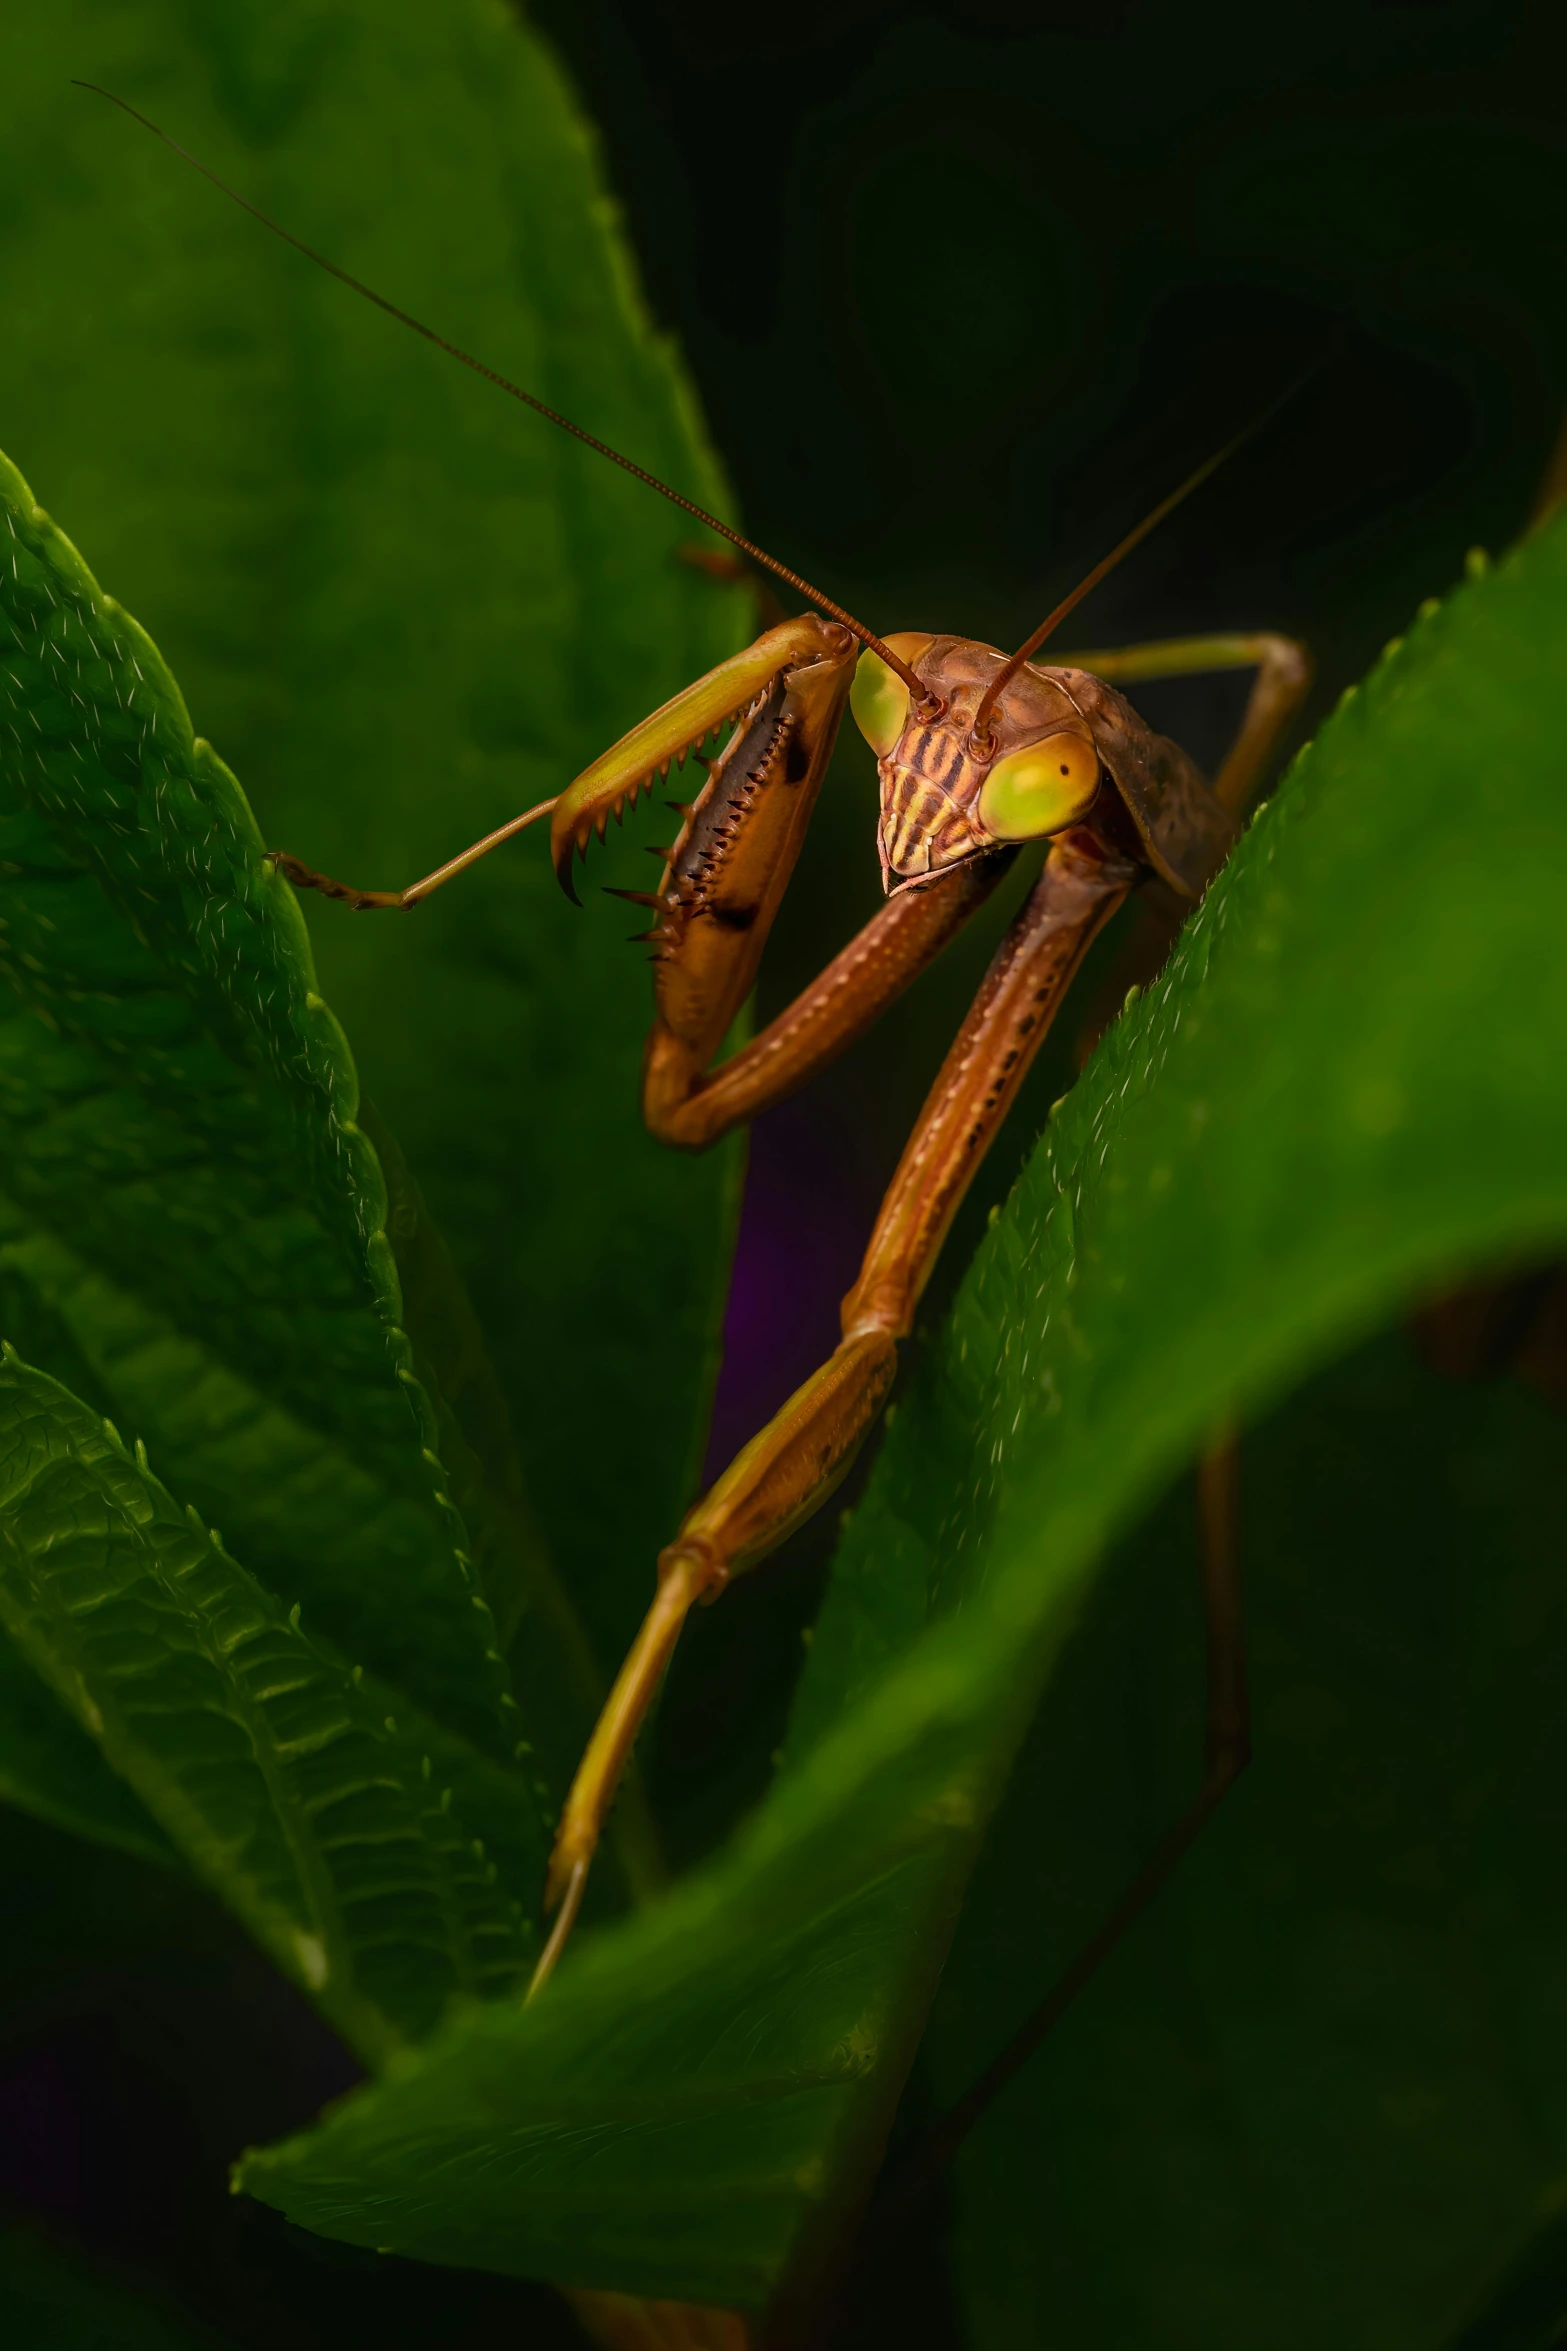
{"points": [[878, 698], [1040, 789]]}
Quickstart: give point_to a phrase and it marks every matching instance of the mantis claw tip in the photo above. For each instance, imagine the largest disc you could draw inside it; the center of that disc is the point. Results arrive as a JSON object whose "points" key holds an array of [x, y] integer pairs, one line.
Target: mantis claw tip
{"points": [[569, 1898]]}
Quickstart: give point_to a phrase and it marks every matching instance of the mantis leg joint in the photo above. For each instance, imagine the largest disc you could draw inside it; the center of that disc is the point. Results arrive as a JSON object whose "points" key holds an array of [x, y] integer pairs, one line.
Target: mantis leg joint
{"points": [[698, 1564]]}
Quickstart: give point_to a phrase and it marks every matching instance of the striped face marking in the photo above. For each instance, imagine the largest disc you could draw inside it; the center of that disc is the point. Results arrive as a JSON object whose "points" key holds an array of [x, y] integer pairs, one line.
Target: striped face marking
{"points": [[941, 802], [929, 790]]}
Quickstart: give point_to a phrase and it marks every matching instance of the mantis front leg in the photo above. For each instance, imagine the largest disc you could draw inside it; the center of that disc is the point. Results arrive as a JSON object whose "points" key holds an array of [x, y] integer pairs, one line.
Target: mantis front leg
{"points": [[690, 1106], [785, 1473], [786, 695]]}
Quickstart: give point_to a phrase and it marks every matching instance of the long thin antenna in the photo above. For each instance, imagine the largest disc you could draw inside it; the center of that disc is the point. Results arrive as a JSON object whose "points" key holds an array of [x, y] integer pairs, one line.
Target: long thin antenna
{"points": [[979, 733], [916, 685]]}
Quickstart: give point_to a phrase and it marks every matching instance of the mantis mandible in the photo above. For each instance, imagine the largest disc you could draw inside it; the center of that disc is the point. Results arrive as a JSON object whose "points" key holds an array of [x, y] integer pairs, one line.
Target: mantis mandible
{"points": [[979, 753]]}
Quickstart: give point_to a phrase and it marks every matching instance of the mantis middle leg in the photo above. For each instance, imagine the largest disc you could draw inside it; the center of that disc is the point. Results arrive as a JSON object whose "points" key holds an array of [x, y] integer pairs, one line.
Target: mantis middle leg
{"points": [[1283, 676], [1283, 672], [1227, 1752]]}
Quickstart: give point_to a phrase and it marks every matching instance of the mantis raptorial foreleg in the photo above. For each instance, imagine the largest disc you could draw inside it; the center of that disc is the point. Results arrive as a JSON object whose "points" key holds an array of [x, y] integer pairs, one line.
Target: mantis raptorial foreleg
{"points": [[691, 1107], [798, 674]]}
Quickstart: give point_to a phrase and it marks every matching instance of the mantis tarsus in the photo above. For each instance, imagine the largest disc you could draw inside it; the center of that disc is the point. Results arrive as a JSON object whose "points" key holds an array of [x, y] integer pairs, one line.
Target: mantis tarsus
{"points": [[978, 754]]}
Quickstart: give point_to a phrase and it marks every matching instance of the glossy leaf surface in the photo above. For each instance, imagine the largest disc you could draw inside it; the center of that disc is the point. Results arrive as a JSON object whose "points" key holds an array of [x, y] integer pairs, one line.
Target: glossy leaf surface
{"points": [[325, 1823], [49, 1766], [1342, 1092]]}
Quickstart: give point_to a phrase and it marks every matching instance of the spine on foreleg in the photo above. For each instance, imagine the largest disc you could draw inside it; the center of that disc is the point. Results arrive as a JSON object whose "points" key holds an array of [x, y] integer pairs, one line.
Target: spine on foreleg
{"points": [[715, 883]]}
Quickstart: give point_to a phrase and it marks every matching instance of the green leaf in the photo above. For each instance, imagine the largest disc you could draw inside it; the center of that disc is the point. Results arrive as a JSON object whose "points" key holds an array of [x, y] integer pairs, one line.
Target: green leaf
{"points": [[48, 1764], [50, 1767], [406, 609], [1321, 2094], [326, 1822], [184, 1183], [1343, 1089], [558, 1687]]}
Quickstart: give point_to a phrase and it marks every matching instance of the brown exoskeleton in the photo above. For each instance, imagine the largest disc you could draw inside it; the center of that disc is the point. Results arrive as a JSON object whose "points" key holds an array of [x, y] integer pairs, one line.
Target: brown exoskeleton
{"points": [[978, 753]]}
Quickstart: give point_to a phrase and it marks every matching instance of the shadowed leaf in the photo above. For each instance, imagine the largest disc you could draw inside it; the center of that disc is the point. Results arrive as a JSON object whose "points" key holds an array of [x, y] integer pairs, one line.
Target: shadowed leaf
{"points": [[53, 2303], [1320, 2093]]}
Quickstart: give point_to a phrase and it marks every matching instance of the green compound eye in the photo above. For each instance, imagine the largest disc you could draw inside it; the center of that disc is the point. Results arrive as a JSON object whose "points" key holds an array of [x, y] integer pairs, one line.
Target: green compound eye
{"points": [[878, 697], [1039, 790]]}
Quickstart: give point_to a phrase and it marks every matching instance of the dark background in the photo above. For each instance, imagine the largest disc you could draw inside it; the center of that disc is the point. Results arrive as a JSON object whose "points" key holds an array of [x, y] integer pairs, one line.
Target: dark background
{"points": [[964, 290]]}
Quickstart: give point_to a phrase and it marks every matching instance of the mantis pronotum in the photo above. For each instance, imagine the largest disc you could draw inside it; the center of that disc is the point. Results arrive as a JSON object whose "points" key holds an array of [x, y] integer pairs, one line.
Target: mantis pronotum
{"points": [[978, 754]]}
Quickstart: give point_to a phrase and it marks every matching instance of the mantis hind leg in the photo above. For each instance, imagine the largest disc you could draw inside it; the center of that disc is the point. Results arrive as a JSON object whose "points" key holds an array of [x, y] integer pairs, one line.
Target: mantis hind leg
{"points": [[1227, 1751]]}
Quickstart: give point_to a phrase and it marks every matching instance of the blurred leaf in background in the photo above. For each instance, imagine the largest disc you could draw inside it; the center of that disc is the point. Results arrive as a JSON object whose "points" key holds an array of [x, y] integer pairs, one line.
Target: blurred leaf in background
{"points": [[55, 2304], [404, 609]]}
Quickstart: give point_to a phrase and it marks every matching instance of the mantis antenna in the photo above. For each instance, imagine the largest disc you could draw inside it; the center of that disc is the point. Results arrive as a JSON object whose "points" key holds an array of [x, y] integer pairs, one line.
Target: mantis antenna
{"points": [[979, 733], [491, 375]]}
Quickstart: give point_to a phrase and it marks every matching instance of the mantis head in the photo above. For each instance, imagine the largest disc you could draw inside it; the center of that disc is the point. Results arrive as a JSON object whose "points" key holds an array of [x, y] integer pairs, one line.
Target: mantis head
{"points": [[950, 793]]}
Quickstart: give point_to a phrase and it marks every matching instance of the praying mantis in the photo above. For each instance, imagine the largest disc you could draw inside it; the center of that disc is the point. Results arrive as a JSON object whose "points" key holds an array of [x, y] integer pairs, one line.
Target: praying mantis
{"points": [[980, 755]]}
